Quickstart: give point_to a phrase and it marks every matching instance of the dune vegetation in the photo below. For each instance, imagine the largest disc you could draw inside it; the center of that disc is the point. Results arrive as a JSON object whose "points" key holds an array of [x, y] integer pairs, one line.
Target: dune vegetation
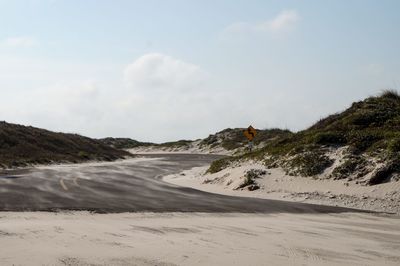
{"points": [[26, 145]]}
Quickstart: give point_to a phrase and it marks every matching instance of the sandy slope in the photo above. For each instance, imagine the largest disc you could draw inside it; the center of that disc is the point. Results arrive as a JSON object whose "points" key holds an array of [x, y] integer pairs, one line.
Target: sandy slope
{"points": [[193, 148], [81, 238], [275, 184]]}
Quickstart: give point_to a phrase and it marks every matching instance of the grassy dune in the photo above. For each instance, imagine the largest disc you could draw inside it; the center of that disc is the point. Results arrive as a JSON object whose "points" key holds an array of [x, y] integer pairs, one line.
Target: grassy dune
{"points": [[25, 145], [368, 131]]}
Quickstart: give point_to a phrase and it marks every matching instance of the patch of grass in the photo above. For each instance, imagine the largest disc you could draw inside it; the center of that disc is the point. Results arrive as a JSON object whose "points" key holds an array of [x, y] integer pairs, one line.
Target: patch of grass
{"points": [[394, 146], [231, 144], [209, 141], [231, 139], [362, 140], [352, 165], [219, 165], [308, 164], [176, 144], [270, 134], [329, 138], [271, 162], [83, 155], [124, 143]]}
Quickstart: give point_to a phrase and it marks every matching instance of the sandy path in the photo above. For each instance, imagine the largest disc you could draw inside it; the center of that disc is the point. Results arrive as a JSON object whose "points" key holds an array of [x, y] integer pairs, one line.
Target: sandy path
{"points": [[128, 186], [81, 238]]}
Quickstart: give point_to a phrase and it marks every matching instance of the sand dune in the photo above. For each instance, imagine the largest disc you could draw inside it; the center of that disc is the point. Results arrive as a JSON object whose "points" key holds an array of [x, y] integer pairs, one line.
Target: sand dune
{"points": [[276, 184]]}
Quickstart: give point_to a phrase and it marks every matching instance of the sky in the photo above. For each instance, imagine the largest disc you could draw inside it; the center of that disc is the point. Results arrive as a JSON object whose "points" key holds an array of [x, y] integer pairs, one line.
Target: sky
{"points": [[167, 70]]}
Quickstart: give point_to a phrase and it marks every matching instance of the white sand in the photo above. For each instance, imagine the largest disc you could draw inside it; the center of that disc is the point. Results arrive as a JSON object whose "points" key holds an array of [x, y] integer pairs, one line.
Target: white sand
{"points": [[81, 238], [277, 185]]}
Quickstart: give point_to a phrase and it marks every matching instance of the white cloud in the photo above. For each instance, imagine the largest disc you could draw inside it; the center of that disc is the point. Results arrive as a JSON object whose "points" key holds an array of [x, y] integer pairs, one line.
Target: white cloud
{"points": [[159, 98], [161, 72], [19, 41], [169, 94], [283, 22]]}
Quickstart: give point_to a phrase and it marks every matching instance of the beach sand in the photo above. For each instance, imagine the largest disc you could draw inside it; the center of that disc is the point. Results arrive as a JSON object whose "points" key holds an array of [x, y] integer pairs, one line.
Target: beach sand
{"points": [[82, 238]]}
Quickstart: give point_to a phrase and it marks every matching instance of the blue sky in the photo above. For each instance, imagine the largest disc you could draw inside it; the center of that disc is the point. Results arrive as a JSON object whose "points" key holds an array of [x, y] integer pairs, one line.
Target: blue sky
{"points": [[166, 70]]}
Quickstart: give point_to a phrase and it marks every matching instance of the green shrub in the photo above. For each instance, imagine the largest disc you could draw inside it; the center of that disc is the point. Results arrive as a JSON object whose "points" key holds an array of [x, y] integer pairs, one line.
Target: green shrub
{"points": [[247, 182], [271, 162], [308, 164], [219, 165], [365, 119], [349, 167], [382, 175], [232, 144], [330, 138], [255, 173], [210, 140], [83, 155], [176, 144], [394, 145], [360, 141], [250, 176]]}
